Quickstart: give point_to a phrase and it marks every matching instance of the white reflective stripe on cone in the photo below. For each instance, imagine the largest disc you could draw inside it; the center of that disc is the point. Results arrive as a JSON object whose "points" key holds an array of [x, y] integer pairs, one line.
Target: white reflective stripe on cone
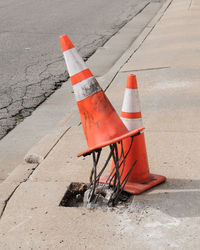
{"points": [[86, 88], [131, 102], [132, 123], [74, 62]]}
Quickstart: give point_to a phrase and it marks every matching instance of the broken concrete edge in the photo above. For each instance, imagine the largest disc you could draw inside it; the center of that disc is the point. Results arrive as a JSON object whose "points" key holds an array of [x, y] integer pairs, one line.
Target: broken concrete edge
{"points": [[7, 188], [41, 150]]}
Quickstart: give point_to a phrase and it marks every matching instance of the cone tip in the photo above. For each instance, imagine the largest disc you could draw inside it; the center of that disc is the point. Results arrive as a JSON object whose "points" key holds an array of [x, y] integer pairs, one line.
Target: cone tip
{"points": [[66, 43], [131, 82]]}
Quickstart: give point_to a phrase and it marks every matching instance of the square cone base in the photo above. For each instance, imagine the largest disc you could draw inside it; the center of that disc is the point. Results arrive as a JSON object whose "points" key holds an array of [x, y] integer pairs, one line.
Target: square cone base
{"points": [[138, 188]]}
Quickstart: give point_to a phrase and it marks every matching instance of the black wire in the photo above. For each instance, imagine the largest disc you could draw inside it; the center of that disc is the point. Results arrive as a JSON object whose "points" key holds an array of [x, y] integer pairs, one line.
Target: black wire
{"points": [[126, 179], [95, 162], [105, 165], [132, 137], [118, 188]]}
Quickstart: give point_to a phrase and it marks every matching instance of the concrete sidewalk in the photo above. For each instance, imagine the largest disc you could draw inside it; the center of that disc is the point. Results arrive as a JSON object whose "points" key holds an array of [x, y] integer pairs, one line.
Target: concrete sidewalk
{"points": [[166, 60], [57, 107]]}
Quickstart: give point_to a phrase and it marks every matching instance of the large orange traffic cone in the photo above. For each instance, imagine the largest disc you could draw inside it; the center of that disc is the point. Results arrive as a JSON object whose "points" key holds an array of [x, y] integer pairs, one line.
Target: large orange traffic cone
{"points": [[139, 178], [101, 124]]}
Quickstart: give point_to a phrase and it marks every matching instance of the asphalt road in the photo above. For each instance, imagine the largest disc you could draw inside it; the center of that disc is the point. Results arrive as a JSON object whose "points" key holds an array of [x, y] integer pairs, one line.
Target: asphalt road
{"points": [[31, 62]]}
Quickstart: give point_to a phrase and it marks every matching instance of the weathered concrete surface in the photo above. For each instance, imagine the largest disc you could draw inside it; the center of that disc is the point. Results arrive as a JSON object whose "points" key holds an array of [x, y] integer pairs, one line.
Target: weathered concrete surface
{"points": [[166, 217], [59, 109]]}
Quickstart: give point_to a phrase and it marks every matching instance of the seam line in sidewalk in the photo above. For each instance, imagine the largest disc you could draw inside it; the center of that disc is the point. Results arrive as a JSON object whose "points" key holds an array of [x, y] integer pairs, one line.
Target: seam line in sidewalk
{"points": [[7, 200], [190, 4], [156, 68]]}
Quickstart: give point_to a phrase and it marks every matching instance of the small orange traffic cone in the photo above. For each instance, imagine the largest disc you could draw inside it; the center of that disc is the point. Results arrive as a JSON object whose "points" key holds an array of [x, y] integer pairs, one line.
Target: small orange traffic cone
{"points": [[101, 124], [139, 178], [132, 118]]}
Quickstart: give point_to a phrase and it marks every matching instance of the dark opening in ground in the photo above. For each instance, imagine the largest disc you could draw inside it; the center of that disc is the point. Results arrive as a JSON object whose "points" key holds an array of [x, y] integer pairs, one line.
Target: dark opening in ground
{"points": [[75, 196]]}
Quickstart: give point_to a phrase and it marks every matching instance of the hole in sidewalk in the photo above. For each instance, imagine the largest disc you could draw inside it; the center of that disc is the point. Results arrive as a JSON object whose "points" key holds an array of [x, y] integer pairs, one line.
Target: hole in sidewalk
{"points": [[74, 196]]}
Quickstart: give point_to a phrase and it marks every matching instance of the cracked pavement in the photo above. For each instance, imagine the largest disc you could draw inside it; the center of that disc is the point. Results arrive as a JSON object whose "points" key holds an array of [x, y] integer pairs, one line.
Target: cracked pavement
{"points": [[31, 65]]}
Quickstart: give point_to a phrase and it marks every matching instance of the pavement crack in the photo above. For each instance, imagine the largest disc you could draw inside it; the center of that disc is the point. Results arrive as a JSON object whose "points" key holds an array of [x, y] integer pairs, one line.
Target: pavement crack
{"points": [[32, 95], [47, 65], [27, 68], [7, 200], [14, 190]]}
